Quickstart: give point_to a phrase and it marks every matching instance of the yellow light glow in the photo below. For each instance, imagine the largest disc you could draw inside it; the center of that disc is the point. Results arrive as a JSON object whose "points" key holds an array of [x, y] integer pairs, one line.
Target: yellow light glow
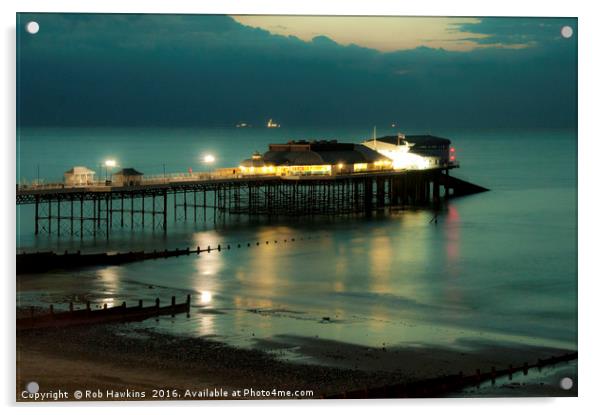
{"points": [[360, 167], [206, 297], [110, 163], [209, 158]]}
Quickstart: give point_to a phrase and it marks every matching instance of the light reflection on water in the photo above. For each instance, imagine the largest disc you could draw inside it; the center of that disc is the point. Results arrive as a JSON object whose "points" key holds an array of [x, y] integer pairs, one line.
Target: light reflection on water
{"points": [[498, 265], [387, 280]]}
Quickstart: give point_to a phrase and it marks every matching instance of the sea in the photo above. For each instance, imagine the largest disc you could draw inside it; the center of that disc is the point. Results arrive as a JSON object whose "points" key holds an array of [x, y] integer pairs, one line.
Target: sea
{"points": [[499, 266]]}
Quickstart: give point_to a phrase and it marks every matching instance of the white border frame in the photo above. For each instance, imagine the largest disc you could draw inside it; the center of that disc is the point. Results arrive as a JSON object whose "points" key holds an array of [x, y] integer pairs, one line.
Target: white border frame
{"points": [[590, 68]]}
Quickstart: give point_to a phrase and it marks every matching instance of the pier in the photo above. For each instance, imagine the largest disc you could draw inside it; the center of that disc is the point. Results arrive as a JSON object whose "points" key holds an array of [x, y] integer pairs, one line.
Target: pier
{"points": [[96, 210]]}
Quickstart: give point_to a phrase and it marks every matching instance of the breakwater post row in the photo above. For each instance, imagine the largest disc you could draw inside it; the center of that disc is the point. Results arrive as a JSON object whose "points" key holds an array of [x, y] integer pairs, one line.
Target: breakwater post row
{"points": [[81, 211], [443, 385], [105, 314], [35, 262]]}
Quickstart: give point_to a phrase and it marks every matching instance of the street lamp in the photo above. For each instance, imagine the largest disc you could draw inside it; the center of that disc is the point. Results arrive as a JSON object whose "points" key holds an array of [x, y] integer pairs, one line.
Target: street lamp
{"points": [[208, 159], [109, 164]]}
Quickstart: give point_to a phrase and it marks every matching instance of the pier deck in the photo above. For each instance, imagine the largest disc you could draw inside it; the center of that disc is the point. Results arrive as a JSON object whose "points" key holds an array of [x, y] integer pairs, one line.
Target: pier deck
{"points": [[95, 210]]}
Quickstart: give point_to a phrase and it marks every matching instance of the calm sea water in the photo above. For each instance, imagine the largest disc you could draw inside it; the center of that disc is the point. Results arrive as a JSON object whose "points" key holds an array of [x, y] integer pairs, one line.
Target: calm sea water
{"points": [[501, 265]]}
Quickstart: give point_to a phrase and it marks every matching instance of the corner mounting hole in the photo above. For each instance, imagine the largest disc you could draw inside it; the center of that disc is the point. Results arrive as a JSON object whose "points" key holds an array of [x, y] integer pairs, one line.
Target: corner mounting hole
{"points": [[566, 383], [32, 387], [566, 32], [32, 27]]}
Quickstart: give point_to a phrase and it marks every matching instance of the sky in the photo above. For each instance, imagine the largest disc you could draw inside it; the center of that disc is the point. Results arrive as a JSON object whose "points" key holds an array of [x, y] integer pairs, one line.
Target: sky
{"points": [[214, 70]]}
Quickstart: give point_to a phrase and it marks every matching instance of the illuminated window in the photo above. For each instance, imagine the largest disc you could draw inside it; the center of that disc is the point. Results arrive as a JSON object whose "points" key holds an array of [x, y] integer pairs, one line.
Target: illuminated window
{"points": [[360, 167]]}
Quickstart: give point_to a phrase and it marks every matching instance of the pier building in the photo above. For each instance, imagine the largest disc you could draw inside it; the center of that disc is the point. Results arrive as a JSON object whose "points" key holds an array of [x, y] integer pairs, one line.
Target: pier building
{"points": [[79, 176], [415, 152], [302, 158], [127, 177]]}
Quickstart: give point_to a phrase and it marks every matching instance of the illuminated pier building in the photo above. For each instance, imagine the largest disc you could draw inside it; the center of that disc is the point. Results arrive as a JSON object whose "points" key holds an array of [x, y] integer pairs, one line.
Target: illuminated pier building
{"points": [[414, 152], [300, 158]]}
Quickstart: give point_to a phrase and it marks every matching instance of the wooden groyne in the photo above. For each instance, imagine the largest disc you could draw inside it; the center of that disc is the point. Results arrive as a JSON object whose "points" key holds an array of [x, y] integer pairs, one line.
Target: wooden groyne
{"points": [[36, 262], [46, 261], [37, 320], [443, 385]]}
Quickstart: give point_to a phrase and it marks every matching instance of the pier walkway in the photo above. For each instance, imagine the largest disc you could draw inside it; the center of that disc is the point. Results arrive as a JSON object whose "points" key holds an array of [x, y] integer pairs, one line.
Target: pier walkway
{"points": [[97, 209]]}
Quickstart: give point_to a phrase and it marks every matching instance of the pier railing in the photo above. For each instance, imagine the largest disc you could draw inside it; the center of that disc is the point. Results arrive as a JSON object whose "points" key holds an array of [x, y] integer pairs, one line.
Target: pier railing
{"points": [[177, 177]]}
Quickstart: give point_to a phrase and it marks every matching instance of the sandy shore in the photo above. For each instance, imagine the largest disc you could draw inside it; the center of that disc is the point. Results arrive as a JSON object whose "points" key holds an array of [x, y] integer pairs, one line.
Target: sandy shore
{"points": [[120, 357]]}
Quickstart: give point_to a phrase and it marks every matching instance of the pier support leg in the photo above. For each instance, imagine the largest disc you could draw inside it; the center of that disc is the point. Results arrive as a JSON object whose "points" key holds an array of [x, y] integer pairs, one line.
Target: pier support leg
{"points": [[98, 213], [132, 211], [368, 196], [107, 215], [175, 206], [446, 185], [81, 217], [380, 192], [71, 217], [204, 205], [49, 217], [94, 217], [195, 205], [58, 217], [185, 206], [436, 190], [164, 210], [37, 215]]}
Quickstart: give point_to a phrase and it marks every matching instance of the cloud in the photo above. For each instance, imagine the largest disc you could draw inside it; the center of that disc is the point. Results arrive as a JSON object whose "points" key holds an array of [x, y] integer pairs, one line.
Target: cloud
{"points": [[212, 70], [383, 33], [517, 31]]}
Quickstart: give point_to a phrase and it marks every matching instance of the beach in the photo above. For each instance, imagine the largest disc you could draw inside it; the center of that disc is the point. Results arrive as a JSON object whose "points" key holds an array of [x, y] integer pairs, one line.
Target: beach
{"points": [[124, 356]]}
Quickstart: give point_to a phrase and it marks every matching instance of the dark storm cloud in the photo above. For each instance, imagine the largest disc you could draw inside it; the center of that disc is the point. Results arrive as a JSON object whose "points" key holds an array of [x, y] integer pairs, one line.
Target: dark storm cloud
{"points": [[211, 70]]}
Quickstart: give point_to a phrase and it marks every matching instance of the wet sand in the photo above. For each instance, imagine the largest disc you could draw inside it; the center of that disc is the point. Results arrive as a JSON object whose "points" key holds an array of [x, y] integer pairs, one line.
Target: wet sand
{"points": [[124, 356]]}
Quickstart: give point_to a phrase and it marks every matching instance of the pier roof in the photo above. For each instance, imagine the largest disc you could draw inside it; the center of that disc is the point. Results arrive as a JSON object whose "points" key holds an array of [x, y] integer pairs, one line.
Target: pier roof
{"points": [[128, 171], [321, 153], [79, 170], [420, 140]]}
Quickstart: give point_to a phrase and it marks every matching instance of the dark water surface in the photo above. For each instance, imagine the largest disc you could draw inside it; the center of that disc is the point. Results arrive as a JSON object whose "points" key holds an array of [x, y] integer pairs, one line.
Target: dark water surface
{"points": [[501, 265]]}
